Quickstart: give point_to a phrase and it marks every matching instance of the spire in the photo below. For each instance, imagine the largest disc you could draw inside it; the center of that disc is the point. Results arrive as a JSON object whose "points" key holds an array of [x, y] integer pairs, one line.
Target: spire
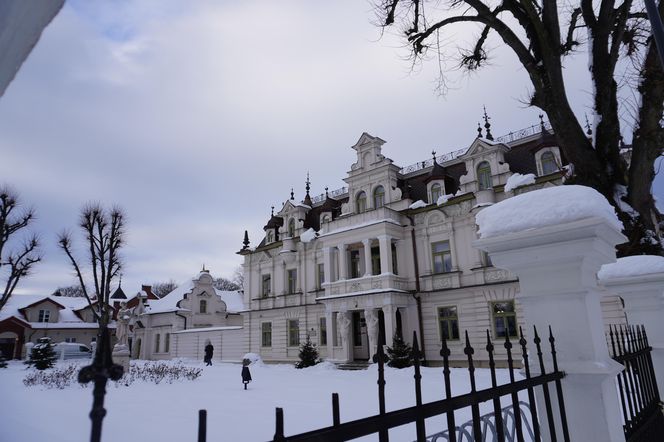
{"points": [[307, 198], [203, 270], [487, 126], [245, 243], [326, 194], [292, 194], [589, 130], [542, 128], [272, 212], [120, 282], [479, 130], [433, 154]]}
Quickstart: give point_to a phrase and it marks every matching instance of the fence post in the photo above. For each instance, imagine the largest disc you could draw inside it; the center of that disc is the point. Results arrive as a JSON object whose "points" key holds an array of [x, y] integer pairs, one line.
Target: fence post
{"points": [[202, 425], [556, 265], [641, 287]]}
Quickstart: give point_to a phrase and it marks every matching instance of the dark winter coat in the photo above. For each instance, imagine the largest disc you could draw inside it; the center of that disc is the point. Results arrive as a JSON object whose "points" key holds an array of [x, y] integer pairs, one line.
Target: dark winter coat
{"points": [[209, 349], [246, 374]]}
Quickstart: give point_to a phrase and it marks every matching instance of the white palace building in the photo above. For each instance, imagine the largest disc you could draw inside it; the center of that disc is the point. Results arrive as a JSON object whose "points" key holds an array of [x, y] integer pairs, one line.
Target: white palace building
{"points": [[392, 251]]}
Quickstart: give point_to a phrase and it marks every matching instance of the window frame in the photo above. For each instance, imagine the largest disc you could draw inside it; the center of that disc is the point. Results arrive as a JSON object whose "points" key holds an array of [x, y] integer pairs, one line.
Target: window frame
{"points": [[320, 274], [442, 254], [436, 192], [202, 306], [44, 315], [552, 160], [448, 320], [379, 192], [361, 202], [266, 334], [484, 176], [354, 263], [504, 316], [167, 342], [291, 228], [322, 331], [291, 281], [157, 339], [293, 332], [266, 283]]}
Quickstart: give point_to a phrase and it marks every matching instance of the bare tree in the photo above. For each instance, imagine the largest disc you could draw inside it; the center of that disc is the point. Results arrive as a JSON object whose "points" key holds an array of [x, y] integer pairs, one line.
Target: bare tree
{"points": [[15, 261], [238, 277], [225, 284], [162, 289], [103, 231], [71, 291], [542, 33]]}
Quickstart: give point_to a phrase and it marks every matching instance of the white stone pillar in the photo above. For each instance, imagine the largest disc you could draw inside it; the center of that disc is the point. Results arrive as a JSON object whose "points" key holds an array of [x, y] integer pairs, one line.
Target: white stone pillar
{"points": [[367, 257], [557, 266], [385, 243], [330, 334], [371, 318], [390, 327], [327, 264], [343, 261], [643, 294]]}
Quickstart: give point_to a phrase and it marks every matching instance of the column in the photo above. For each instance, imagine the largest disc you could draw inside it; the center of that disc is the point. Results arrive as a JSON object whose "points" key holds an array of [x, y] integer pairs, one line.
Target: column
{"points": [[330, 334], [343, 261], [344, 326], [557, 266], [385, 243], [371, 317], [327, 264], [367, 257], [390, 326], [642, 290]]}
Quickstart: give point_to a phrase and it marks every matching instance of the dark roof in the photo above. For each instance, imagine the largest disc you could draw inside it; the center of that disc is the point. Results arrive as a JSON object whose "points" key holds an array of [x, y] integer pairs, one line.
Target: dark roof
{"points": [[118, 294], [274, 223], [521, 157]]}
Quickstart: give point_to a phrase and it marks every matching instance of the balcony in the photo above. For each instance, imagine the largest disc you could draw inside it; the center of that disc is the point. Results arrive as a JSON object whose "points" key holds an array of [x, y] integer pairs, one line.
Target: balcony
{"points": [[382, 282], [358, 220]]}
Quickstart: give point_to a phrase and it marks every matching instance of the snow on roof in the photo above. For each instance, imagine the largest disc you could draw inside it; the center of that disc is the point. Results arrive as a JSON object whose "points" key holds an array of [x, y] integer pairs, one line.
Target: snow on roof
{"points": [[518, 180], [67, 316], [417, 204], [359, 226], [545, 207], [233, 299], [308, 235], [632, 266]]}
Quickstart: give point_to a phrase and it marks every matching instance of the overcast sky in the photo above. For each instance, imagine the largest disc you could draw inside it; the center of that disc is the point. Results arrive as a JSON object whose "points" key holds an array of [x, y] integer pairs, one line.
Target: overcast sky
{"points": [[196, 117]]}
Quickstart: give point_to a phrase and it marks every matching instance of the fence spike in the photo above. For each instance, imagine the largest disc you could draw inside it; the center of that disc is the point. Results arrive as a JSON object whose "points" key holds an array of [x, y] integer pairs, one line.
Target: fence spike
{"points": [[531, 393], [515, 397], [497, 408], [419, 423], [279, 430]]}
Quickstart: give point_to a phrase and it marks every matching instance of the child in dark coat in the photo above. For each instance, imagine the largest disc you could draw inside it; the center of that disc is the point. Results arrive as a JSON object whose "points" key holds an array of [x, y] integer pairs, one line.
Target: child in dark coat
{"points": [[246, 374], [209, 349]]}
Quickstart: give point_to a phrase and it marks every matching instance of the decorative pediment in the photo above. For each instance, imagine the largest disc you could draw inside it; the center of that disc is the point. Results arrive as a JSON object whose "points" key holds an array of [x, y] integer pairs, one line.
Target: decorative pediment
{"points": [[481, 145], [264, 257], [369, 153], [288, 207]]}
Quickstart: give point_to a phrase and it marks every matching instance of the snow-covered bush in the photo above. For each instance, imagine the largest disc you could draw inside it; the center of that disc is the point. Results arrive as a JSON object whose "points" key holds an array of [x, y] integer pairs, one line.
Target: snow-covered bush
{"points": [[42, 355], [59, 377], [156, 372], [308, 354], [253, 358], [400, 354]]}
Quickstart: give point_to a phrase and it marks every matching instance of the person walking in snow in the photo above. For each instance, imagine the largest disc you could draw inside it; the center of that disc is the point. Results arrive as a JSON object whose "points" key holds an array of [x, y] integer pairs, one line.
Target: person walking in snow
{"points": [[209, 349], [246, 374]]}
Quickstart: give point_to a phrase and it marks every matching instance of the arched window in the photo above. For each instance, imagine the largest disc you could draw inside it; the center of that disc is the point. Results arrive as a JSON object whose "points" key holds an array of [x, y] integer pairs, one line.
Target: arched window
{"points": [[436, 192], [291, 227], [548, 161], [202, 306], [484, 175], [270, 237], [379, 197], [326, 219], [361, 202]]}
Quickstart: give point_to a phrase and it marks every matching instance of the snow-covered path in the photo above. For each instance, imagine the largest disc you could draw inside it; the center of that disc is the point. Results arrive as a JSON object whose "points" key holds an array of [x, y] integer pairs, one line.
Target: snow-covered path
{"points": [[169, 412]]}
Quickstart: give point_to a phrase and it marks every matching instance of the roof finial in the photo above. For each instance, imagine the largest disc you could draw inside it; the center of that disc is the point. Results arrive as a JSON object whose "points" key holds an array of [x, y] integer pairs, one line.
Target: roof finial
{"points": [[326, 195], [487, 126], [433, 153], [245, 243], [120, 282], [307, 187], [292, 194], [272, 212], [479, 130], [541, 117], [203, 269], [589, 131]]}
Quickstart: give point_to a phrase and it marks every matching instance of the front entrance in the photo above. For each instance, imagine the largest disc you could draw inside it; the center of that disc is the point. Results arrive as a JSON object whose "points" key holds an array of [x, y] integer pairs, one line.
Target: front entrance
{"points": [[359, 337], [7, 347]]}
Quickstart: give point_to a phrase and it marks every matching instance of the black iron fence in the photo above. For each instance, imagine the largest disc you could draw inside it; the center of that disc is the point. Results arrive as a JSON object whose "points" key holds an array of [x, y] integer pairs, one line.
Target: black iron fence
{"points": [[641, 406], [515, 421]]}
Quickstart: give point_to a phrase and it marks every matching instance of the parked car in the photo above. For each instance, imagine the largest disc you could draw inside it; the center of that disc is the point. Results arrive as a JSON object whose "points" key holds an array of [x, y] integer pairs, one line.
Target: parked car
{"points": [[72, 350]]}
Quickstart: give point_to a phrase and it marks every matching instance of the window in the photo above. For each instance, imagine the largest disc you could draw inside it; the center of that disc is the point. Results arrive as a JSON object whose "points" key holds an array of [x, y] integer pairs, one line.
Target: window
{"points": [[322, 329], [293, 332], [167, 342], [156, 343], [70, 339], [375, 261], [321, 274], [354, 263], [202, 308], [394, 259], [266, 285], [326, 219], [484, 176], [504, 318], [436, 192], [441, 256], [291, 228], [448, 323], [379, 197], [548, 162], [486, 259], [44, 315], [361, 202], [266, 334], [269, 237], [292, 280]]}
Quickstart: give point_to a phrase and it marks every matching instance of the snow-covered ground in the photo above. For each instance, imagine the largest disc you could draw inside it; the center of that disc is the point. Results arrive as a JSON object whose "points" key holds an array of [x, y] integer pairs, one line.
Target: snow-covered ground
{"points": [[169, 412]]}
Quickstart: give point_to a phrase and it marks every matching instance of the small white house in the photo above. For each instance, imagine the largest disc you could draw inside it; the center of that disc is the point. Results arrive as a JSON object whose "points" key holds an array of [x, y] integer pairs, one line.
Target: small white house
{"points": [[184, 321]]}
